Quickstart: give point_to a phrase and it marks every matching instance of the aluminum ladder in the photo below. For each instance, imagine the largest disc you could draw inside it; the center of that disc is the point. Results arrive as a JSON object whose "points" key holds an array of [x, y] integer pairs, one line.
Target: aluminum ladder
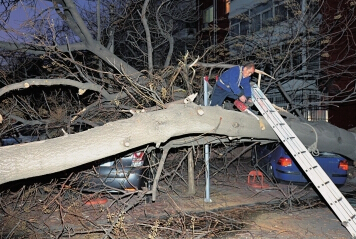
{"points": [[332, 195]]}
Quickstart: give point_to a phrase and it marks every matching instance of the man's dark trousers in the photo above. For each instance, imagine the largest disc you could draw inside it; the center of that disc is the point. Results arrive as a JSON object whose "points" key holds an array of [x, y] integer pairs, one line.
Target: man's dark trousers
{"points": [[219, 95]]}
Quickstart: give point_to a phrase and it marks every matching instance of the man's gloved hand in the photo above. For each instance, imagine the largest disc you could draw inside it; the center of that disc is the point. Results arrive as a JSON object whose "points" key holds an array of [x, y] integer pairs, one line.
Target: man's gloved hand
{"points": [[243, 99], [249, 102]]}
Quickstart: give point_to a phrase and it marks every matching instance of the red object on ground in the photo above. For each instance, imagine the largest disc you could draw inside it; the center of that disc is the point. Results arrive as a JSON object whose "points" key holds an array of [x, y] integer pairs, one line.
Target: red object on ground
{"points": [[241, 106], [96, 201], [256, 183]]}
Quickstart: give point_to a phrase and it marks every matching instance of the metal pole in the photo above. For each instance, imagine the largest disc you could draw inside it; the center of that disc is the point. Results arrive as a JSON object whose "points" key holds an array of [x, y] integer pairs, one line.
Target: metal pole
{"points": [[206, 148]]}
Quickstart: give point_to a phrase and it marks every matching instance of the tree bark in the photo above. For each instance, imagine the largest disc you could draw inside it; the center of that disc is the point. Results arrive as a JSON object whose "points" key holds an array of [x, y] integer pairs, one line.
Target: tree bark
{"points": [[188, 124], [148, 37], [191, 183]]}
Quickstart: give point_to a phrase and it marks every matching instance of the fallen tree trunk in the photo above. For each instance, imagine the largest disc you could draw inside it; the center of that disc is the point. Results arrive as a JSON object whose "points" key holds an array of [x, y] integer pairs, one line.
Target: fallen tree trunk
{"points": [[183, 124]]}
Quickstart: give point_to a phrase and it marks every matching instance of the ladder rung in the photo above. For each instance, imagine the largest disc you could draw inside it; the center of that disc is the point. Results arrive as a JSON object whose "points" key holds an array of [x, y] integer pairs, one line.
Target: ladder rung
{"points": [[337, 201], [300, 152], [313, 167], [340, 206]]}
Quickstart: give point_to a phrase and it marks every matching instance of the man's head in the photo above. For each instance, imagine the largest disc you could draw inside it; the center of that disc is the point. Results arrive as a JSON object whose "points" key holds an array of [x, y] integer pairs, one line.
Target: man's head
{"points": [[248, 70]]}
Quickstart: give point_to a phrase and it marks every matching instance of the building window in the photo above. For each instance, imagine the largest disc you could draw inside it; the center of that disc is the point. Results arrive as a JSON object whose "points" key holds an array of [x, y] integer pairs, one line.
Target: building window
{"points": [[240, 24], [297, 62], [279, 100], [256, 23], [317, 113], [314, 55], [267, 18], [244, 28], [268, 12], [314, 112], [287, 10], [293, 8], [257, 9], [235, 30], [280, 13], [208, 15]]}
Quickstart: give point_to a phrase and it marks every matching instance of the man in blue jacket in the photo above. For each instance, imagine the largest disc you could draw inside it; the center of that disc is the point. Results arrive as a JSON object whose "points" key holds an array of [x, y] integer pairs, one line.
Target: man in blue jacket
{"points": [[235, 84]]}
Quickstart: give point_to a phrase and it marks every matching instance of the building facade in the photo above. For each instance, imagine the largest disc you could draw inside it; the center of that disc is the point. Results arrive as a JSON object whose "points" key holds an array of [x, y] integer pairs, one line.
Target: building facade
{"points": [[339, 61], [283, 37]]}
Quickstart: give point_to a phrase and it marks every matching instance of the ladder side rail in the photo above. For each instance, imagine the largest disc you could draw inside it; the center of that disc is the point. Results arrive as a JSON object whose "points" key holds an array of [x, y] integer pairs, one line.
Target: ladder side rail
{"points": [[325, 185], [318, 177], [310, 166], [331, 196], [287, 140], [290, 135], [310, 163], [292, 142], [306, 163]]}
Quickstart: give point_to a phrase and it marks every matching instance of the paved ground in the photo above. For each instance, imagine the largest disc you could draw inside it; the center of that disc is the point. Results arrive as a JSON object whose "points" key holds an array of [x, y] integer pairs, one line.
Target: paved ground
{"points": [[236, 209], [312, 223], [283, 209]]}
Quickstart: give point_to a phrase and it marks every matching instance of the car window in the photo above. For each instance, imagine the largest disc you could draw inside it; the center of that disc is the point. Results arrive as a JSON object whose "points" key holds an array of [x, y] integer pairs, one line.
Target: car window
{"points": [[271, 146], [329, 155], [107, 164]]}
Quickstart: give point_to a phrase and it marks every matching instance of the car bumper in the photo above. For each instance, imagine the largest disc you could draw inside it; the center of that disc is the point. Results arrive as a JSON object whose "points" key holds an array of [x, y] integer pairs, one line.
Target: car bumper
{"points": [[296, 176], [114, 181]]}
